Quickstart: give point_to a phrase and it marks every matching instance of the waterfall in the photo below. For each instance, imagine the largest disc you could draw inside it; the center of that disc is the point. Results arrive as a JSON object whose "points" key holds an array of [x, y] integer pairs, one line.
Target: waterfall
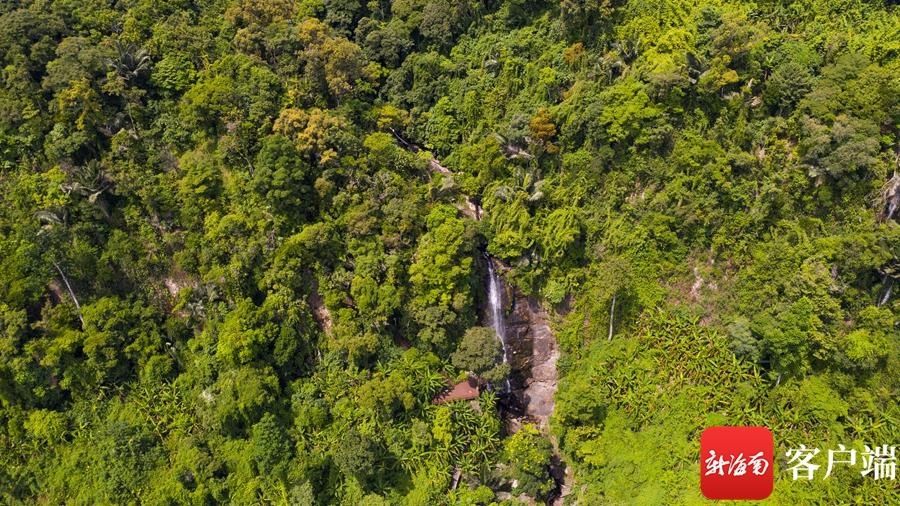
{"points": [[495, 307], [889, 281]]}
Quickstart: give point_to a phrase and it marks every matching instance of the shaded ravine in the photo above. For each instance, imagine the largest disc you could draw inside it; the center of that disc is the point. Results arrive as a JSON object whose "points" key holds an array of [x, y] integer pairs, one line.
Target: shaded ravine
{"points": [[529, 346], [532, 352], [890, 203]]}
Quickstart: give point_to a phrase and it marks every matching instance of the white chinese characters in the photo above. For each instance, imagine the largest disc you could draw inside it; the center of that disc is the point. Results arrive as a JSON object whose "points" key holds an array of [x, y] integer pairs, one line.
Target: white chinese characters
{"points": [[880, 462], [803, 457], [735, 465]]}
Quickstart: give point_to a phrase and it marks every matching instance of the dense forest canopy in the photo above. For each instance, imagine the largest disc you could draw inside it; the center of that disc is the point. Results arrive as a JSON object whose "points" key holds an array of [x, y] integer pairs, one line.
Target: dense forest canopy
{"points": [[230, 273]]}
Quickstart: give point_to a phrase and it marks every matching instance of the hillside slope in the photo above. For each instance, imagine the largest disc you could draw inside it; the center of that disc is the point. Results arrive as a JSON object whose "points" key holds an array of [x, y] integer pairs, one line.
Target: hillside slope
{"points": [[230, 271]]}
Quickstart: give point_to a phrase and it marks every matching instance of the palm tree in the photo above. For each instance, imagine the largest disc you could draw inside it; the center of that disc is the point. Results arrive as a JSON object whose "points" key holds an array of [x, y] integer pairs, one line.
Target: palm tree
{"points": [[131, 62], [526, 182]]}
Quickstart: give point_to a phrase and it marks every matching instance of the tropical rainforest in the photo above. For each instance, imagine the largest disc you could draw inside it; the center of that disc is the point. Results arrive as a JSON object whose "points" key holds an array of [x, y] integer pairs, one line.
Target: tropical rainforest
{"points": [[236, 264]]}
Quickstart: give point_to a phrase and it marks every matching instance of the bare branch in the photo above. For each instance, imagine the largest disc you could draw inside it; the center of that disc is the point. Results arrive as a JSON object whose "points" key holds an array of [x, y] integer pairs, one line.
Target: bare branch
{"points": [[71, 292], [612, 310]]}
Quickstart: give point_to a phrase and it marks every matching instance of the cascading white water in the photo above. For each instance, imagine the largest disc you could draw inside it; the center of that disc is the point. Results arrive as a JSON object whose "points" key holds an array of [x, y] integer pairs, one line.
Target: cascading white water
{"points": [[495, 305], [889, 282]]}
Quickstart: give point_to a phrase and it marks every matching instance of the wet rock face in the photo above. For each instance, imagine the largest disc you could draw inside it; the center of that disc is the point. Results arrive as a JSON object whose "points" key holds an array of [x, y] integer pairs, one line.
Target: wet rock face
{"points": [[519, 342], [533, 354], [541, 389]]}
